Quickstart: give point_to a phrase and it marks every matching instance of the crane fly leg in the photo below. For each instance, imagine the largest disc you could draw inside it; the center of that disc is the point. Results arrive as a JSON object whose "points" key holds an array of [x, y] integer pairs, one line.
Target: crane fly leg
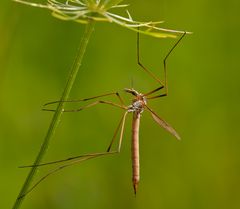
{"points": [[77, 159], [154, 97], [62, 167], [87, 99], [89, 105], [143, 67], [68, 159], [163, 84], [122, 125], [153, 91], [165, 62]]}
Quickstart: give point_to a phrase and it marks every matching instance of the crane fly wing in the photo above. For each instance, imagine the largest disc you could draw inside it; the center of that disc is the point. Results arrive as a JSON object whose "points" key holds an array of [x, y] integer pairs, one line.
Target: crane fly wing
{"points": [[164, 124]]}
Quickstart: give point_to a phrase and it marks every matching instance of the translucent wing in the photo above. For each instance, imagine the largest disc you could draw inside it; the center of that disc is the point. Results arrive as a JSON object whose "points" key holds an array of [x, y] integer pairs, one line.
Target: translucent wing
{"points": [[163, 123]]}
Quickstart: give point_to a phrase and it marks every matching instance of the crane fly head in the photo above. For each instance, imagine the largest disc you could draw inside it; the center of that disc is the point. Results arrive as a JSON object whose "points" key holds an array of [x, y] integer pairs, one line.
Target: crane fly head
{"points": [[138, 102], [132, 91]]}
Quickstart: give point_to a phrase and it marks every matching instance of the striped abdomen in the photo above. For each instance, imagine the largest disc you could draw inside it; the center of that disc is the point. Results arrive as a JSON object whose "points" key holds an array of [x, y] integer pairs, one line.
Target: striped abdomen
{"points": [[135, 150]]}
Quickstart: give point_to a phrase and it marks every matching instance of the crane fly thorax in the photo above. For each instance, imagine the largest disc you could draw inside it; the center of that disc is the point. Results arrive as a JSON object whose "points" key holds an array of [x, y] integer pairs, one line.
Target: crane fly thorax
{"points": [[138, 104]]}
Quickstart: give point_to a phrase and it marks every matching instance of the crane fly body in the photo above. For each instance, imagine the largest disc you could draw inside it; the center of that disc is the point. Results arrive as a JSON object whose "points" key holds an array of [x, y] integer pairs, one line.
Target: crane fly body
{"points": [[137, 107]]}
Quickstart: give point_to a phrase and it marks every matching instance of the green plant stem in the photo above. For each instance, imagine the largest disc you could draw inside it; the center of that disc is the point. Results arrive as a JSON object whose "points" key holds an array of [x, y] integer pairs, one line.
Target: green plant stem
{"points": [[58, 113]]}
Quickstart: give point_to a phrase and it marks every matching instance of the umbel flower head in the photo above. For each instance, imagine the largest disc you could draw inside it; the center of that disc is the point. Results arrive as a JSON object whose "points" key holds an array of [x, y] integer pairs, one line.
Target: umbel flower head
{"points": [[82, 11]]}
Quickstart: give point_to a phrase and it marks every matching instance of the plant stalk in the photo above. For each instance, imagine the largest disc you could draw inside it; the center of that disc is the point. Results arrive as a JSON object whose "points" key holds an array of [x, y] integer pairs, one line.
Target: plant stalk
{"points": [[57, 114]]}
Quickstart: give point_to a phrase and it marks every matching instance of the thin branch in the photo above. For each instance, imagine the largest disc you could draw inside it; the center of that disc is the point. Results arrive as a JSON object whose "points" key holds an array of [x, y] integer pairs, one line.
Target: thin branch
{"points": [[57, 115]]}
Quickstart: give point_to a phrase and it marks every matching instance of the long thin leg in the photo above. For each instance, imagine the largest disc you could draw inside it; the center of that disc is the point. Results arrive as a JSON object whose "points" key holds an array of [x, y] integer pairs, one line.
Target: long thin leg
{"points": [[115, 134], [165, 63], [121, 133], [80, 158], [90, 98], [153, 91], [60, 168], [90, 105], [68, 159], [157, 96], [143, 67], [121, 124], [122, 121]]}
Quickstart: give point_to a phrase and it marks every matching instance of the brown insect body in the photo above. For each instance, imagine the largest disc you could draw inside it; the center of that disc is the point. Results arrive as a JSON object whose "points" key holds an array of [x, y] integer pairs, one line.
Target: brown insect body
{"points": [[135, 151], [137, 108]]}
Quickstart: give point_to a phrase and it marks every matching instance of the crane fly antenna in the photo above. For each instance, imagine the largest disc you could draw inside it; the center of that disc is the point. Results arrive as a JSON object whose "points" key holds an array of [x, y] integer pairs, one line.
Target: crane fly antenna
{"points": [[132, 82]]}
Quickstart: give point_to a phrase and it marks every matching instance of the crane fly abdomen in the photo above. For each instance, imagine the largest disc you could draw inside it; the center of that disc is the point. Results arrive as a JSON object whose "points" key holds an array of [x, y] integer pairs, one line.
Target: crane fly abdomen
{"points": [[135, 150], [136, 108]]}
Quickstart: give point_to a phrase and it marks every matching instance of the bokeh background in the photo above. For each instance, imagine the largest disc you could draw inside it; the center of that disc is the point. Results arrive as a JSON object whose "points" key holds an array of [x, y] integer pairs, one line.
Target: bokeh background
{"points": [[201, 172]]}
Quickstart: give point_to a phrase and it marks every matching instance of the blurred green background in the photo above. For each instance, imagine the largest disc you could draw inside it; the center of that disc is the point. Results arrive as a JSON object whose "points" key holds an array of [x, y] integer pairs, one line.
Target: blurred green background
{"points": [[201, 172]]}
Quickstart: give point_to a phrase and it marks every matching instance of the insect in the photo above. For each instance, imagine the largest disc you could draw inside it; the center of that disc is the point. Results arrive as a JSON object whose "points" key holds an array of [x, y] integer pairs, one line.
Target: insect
{"points": [[137, 107]]}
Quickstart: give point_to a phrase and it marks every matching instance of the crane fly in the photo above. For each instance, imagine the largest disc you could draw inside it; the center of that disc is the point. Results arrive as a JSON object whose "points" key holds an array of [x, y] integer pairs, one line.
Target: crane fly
{"points": [[138, 105]]}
